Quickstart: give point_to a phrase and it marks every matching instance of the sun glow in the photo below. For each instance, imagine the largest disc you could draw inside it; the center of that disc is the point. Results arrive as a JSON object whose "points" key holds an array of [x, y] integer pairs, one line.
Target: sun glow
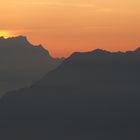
{"points": [[5, 34]]}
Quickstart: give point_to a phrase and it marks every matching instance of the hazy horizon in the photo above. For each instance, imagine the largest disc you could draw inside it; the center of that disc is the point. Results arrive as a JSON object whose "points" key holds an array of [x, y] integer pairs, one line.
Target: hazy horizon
{"points": [[66, 26], [70, 69], [64, 57]]}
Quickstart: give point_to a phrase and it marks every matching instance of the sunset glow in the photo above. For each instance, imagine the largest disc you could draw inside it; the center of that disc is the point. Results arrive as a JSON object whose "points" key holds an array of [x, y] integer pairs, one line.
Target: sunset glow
{"points": [[65, 26], [5, 34]]}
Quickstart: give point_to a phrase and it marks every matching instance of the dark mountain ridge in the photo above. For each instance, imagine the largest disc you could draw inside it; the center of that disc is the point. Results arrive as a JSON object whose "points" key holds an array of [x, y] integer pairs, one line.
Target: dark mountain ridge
{"points": [[22, 63], [86, 66], [93, 95]]}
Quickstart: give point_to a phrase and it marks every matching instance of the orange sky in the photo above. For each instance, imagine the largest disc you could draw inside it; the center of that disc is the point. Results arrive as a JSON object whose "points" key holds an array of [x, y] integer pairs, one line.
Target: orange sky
{"points": [[65, 26]]}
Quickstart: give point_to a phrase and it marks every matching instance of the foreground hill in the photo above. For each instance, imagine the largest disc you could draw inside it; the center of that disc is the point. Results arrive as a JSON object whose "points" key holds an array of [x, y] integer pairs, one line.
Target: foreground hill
{"points": [[21, 63], [93, 95]]}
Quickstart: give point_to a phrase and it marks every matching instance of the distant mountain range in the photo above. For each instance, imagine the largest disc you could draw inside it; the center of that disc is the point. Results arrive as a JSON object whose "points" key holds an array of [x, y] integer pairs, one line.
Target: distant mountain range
{"points": [[99, 66], [22, 63], [93, 95]]}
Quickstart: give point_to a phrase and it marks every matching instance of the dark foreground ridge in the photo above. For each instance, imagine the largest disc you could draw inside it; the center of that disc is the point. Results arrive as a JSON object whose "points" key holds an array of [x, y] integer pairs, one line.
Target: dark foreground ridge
{"points": [[22, 64], [93, 95]]}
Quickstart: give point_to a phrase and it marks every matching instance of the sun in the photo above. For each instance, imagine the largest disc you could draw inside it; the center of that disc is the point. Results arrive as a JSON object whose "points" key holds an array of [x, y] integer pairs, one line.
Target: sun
{"points": [[5, 34]]}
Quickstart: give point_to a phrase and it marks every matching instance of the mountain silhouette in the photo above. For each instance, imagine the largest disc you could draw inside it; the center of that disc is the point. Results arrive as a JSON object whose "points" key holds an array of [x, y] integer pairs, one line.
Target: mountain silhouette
{"points": [[92, 95], [22, 63]]}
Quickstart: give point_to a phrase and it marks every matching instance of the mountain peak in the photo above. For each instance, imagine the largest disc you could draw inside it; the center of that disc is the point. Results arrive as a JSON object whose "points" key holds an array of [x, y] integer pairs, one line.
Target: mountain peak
{"points": [[24, 38], [90, 53], [20, 37], [100, 51], [15, 41]]}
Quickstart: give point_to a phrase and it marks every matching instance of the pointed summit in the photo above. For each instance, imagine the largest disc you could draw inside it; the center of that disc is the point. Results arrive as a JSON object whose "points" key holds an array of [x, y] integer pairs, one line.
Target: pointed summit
{"points": [[88, 56], [25, 62], [17, 38], [94, 52], [19, 41], [100, 51], [20, 37]]}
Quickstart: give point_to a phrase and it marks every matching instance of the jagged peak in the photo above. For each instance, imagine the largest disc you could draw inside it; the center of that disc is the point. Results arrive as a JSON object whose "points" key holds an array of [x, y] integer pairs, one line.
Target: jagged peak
{"points": [[20, 40], [94, 52], [20, 43], [19, 37], [100, 51], [15, 38], [103, 52], [41, 48]]}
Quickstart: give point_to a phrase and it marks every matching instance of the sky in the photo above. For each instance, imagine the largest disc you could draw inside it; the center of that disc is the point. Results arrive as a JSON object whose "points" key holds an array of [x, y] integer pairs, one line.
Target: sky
{"points": [[66, 26]]}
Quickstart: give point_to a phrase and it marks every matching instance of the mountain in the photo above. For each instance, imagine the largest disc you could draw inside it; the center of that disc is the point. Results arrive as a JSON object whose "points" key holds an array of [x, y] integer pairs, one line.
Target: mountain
{"points": [[22, 63], [92, 95], [96, 66]]}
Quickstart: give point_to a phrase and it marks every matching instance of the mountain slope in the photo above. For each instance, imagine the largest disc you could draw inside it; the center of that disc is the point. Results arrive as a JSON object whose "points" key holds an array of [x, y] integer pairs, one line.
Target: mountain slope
{"points": [[22, 64], [97, 66], [93, 95]]}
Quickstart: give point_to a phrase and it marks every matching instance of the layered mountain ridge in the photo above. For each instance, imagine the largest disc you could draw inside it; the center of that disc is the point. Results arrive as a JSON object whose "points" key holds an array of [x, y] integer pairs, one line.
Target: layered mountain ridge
{"points": [[22, 63], [93, 95]]}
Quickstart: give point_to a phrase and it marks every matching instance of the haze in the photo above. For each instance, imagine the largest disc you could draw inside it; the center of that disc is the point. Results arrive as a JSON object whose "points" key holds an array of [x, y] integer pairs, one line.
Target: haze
{"points": [[65, 26]]}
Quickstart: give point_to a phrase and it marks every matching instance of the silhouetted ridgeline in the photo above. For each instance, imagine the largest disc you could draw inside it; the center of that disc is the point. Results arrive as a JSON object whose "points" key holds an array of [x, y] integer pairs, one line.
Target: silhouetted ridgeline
{"points": [[22, 63], [93, 95]]}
